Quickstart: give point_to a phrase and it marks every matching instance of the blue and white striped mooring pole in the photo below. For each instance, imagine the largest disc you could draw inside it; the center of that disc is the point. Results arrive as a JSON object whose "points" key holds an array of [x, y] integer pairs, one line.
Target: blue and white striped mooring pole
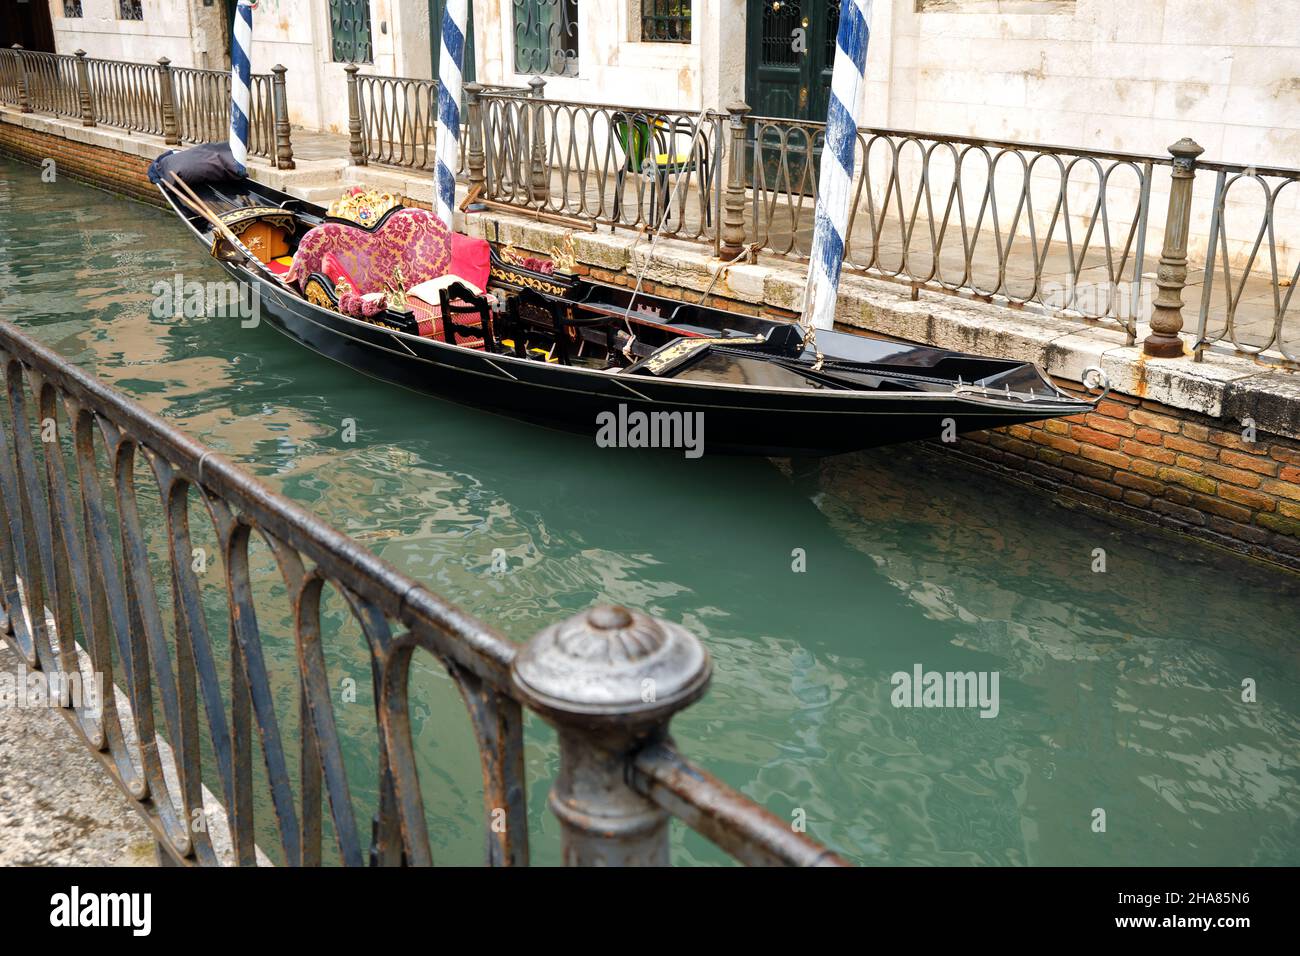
{"points": [[447, 135], [241, 56], [834, 185]]}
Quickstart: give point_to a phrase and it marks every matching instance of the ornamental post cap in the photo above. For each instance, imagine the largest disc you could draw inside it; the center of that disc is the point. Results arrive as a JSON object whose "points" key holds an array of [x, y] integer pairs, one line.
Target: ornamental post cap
{"points": [[612, 661], [1187, 147]]}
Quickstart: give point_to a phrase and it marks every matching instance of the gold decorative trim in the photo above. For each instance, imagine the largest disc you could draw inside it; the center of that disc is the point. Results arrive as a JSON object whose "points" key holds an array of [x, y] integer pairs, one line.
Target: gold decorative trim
{"points": [[316, 294], [531, 282], [364, 207], [563, 255], [679, 350], [238, 220]]}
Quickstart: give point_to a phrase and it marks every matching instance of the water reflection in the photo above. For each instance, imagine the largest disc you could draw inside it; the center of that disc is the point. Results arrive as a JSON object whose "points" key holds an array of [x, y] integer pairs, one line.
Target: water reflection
{"points": [[1119, 691]]}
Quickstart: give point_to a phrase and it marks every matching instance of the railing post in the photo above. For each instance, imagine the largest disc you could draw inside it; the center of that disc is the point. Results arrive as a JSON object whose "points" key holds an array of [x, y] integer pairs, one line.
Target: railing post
{"points": [[1171, 274], [167, 98], [86, 104], [609, 680], [733, 209], [538, 181], [24, 93], [474, 150], [280, 107], [356, 148]]}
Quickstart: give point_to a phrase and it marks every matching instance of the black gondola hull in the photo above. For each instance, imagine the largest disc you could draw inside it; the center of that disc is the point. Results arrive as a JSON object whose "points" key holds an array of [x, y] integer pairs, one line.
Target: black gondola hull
{"points": [[727, 419], [775, 422]]}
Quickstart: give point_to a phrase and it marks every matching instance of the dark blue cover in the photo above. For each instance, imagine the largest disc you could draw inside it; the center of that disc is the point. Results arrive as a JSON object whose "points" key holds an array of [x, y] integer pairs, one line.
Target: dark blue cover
{"points": [[205, 163]]}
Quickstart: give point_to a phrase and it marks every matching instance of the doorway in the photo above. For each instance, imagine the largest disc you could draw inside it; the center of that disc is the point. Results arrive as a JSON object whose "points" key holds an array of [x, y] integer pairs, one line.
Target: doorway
{"points": [[27, 22], [789, 53]]}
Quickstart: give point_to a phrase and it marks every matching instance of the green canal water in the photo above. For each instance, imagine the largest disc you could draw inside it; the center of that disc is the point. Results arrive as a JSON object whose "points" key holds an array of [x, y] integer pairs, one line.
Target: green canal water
{"points": [[1119, 691]]}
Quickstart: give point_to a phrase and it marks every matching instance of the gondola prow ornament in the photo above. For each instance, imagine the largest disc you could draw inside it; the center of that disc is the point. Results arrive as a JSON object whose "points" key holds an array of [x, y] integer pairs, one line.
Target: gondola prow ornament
{"points": [[241, 57]]}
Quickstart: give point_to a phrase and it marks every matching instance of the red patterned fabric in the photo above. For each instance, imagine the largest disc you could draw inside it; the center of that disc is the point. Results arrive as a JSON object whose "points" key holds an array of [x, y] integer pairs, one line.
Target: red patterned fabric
{"points": [[430, 319], [333, 270], [415, 239]]}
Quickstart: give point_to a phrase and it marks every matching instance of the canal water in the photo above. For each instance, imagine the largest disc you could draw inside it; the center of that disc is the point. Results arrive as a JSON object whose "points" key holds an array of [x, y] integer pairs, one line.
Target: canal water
{"points": [[1121, 735]]}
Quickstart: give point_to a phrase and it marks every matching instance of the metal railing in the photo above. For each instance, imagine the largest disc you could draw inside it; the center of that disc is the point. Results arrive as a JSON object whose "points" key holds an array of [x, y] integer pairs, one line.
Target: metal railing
{"points": [[126, 95], [52, 84], [621, 165], [203, 108], [398, 119], [1231, 282], [204, 681], [181, 105], [1061, 230], [1056, 230], [393, 119]]}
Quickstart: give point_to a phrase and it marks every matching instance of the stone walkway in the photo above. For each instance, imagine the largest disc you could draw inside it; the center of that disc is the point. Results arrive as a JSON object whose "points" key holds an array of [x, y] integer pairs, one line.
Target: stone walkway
{"points": [[57, 806]]}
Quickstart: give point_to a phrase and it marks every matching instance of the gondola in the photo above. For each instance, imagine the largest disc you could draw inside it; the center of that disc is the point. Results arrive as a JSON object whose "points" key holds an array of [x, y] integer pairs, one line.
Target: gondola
{"points": [[537, 343]]}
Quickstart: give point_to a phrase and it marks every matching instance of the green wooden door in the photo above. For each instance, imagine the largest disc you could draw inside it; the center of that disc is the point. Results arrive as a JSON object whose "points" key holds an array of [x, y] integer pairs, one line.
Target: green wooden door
{"points": [[790, 51], [435, 37], [789, 54]]}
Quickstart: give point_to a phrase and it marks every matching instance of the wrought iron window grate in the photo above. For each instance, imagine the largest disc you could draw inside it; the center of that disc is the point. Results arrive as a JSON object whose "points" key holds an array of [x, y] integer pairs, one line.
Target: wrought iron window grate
{"points": [[546, 37], [666, 21], [72, 9], [350, 37], [126, 9]]}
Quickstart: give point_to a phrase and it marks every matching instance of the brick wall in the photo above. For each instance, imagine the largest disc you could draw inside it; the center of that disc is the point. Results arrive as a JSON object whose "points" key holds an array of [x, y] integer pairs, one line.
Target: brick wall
{"points": [[1152, 463], [106, 168]]}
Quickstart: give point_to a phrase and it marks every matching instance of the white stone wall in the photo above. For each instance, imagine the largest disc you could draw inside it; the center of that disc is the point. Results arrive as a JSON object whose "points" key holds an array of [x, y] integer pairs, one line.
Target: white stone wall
{"points": [[294, 33], [614, 67], [1123, 75], [172, 28]]}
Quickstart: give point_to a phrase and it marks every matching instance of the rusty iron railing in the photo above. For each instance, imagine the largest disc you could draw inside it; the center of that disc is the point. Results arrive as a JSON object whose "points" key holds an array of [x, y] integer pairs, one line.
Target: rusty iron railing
{"points": [[398, 118], [393, 119], [620, 165], [206, 681], [1050, 228], [1055, 230], [1259, 271], [181, 105]]}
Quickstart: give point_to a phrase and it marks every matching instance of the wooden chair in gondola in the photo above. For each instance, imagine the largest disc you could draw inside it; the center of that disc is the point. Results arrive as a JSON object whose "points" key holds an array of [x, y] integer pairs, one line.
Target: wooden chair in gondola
{"points": [[457, 303], [533, 315]]}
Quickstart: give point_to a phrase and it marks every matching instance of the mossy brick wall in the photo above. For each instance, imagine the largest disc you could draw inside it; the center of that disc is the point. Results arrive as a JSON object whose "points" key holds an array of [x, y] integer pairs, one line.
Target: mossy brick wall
{"points": [[1154, 463], [109, 169]]}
